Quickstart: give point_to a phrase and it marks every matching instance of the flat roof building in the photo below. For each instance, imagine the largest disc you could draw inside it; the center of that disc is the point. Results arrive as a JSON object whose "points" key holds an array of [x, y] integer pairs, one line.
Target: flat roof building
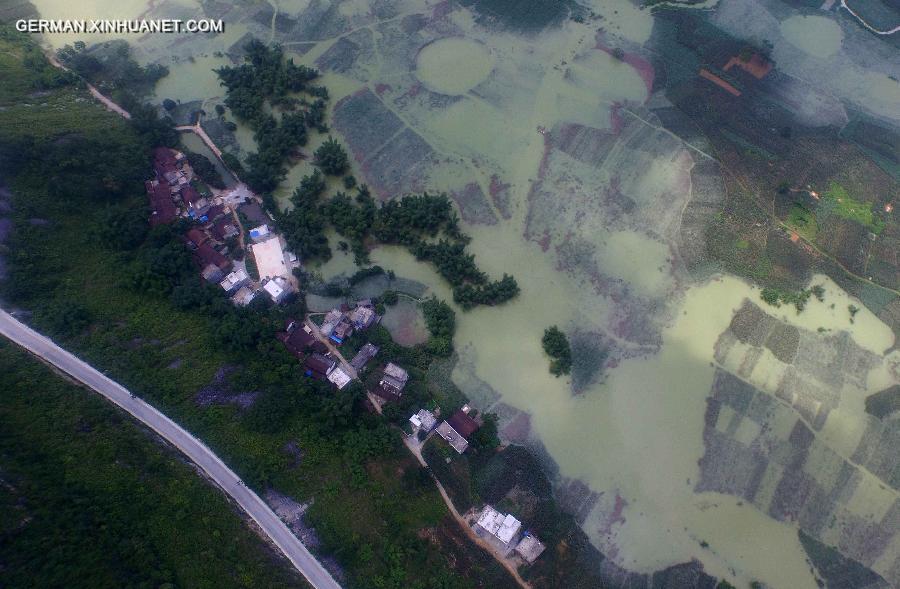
{"points": [[244, 296], [235, 280], [423, 420], [529, 548], [505, 528], [270, 259], [277, 292], [260, 233], [452, 437], [339, 378], [362, 357]]}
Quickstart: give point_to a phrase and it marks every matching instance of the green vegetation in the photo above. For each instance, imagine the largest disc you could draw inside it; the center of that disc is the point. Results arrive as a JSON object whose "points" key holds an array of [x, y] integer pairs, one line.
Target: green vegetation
{"points": [[89, 495], [853, 311], [110, 67], [836, 200], [268, 77], [145, 317], [803, 221], [441, 323], [556, 345], [205, 169], [331, 158], [776, 297], [389, 297]]}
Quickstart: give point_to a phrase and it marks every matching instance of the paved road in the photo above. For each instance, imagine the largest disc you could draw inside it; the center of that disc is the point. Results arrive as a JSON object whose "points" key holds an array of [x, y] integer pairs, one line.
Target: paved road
{"points": [[193, 448]]}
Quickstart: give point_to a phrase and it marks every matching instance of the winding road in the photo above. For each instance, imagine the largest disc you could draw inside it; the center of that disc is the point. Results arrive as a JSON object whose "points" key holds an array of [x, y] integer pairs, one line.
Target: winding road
{"points": [[190, 446]]}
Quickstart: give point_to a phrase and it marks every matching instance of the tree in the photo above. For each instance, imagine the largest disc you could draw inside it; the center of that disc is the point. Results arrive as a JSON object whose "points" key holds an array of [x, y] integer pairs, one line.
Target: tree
{"points": [[331, 157], [556, 345], [389, 297]]}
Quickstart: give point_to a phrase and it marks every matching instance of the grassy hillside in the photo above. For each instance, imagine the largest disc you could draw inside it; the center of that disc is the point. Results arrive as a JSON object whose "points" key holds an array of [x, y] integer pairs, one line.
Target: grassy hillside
{"points": [[88, 495]]}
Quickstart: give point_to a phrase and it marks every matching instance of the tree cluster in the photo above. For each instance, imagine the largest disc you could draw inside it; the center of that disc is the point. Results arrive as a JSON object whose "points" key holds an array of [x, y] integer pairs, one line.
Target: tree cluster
{"points": [[269, 77], [556, 345], [205, 169], [440, 320]]}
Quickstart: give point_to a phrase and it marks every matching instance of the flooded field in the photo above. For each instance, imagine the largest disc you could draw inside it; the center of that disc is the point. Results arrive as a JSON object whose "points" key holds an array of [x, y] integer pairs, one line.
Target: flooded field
{"points": [[558, 151]]}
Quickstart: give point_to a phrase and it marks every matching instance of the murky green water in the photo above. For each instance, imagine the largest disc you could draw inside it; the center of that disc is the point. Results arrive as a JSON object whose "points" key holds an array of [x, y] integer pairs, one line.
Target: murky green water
{"points": [[816, 35], [637, 435]]}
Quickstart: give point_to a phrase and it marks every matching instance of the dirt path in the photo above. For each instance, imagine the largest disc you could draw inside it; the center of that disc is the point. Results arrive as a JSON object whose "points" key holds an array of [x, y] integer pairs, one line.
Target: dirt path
{"points": [[463, 523]]}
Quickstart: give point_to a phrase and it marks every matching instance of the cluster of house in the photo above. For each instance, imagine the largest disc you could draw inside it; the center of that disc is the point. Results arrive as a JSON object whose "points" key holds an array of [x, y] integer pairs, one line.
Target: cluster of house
{"points": [[341, 322], [455, 430], [505, 533], [171, 192], [298, 338], [215, 224]]}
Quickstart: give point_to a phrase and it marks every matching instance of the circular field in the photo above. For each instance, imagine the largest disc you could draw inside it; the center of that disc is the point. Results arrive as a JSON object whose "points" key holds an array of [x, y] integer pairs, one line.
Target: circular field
{"points": [[815, 35], [453, 65]]}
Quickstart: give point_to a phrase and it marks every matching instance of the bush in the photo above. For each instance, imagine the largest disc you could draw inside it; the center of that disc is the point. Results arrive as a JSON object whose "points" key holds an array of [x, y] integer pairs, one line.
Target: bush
{"points": [[556, 345]]}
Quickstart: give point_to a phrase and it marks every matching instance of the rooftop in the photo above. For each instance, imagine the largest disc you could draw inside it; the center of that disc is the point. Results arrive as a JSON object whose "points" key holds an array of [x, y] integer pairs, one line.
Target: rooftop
{"points": [[235, 279], [396, 372], [463, 424], [424, 419], [259, 233], [244, 296], [453, 438], [270, 259], [339, 377], [362, 357], [274, 290], [530, 548], [502, 527]]}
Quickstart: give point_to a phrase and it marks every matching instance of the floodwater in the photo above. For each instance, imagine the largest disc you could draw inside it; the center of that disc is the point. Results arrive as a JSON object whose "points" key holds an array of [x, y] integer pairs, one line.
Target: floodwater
{"points": [[635, 436], [816, 35], [453, 65]]}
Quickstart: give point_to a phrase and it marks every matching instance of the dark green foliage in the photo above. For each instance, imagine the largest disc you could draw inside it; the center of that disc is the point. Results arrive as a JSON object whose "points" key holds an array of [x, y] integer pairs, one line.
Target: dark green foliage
{"points": [[490, 293], [169, 104], [205, 169], [63, 319], [775, 296], [406, 220], [486, 438], [556, 345], [389, 297], [364, 273], [268, 76], [440, 320], [349, 182], [265, 76], [111, 67], [331, 157], [524, 15], [304, 225], [122, 228], [91, 497], [819, 292], [233, 163]]}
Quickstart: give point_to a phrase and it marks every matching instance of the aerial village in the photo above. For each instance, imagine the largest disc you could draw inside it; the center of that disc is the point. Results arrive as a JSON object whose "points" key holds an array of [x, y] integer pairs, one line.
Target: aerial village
{"points": [[222, 226]]}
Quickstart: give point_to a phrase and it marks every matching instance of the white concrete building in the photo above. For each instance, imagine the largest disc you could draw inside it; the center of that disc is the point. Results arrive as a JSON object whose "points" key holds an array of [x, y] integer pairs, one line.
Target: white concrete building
{"points": [[504, 528], [339, 378]]}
